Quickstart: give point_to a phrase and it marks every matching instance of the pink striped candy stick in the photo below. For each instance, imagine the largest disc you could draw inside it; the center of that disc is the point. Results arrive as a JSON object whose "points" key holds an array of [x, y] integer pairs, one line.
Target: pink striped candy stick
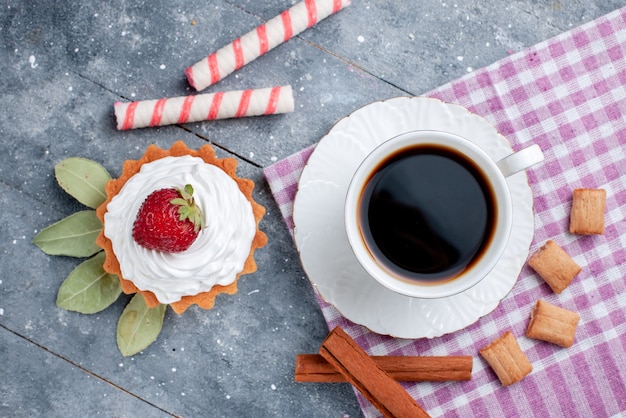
{"points": [[221, 105], [257, 42]]}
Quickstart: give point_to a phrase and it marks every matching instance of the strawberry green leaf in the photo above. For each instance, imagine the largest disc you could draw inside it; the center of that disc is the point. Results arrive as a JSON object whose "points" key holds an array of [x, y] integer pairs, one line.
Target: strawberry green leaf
{"points": [[178, 201], [138, 326], [186, 192], [89, 289], [74, 236], [83, 179]]}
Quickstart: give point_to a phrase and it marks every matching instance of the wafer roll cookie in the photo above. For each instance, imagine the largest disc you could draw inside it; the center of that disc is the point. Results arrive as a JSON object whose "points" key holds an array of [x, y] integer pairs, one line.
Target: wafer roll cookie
{"points": [[257, 42], [554, 266], [552, 324], [507, 359], [587, 215], [221, 105]]}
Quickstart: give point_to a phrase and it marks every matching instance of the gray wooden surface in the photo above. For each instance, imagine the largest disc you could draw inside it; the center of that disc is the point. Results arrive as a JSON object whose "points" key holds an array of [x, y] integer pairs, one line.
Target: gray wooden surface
{"points": [[62, 66]]}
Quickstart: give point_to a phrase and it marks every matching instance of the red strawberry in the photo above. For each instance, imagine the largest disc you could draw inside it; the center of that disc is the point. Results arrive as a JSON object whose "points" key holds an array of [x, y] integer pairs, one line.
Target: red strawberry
{"points": [[168, 220]]}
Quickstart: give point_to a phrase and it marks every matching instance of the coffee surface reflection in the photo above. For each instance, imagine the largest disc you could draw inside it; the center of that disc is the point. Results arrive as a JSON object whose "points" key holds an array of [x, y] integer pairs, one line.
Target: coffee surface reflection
{"points": [[427, 213]]}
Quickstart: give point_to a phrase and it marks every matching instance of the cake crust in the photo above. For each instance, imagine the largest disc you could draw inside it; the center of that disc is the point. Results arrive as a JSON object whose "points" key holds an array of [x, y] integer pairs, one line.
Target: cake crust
{"points": [[111, 264]]}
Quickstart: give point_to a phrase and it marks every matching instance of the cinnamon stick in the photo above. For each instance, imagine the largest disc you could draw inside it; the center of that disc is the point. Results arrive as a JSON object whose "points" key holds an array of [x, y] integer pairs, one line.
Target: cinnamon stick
{"points": [[314, 368], [387, 395]]}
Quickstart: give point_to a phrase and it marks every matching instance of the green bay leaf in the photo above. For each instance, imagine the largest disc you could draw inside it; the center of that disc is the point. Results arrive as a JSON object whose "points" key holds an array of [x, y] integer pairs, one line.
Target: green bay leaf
{"points": [[74, 236], [138, 325], [89, 289], [83, 179]]}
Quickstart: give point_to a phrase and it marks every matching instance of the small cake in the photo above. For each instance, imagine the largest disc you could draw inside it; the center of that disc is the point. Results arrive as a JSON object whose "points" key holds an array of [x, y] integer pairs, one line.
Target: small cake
{"points": [[507, 359], [552, 324], [223, 249], [554, 265], [587, 213]]}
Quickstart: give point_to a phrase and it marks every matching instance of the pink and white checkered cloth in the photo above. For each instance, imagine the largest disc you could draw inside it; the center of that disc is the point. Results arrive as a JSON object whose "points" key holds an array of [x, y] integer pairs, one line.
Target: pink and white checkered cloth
{"points": [[568, 95]]}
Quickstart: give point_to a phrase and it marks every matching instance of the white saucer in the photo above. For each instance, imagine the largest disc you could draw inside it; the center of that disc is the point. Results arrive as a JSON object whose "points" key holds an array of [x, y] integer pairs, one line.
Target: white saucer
{"points": [[323, 245]]}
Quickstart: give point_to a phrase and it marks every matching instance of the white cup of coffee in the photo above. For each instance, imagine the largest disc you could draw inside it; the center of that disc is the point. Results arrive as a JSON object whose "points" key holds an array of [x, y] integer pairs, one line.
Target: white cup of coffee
{"points": [[428, 214]]}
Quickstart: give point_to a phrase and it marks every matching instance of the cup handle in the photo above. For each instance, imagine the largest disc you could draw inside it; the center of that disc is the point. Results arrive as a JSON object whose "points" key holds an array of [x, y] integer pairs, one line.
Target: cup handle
{"points": [[520, 160]]}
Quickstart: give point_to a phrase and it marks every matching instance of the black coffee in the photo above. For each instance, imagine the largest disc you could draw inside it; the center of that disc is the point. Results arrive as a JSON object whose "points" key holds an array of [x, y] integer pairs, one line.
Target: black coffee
{"points": [[427, 213]]}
